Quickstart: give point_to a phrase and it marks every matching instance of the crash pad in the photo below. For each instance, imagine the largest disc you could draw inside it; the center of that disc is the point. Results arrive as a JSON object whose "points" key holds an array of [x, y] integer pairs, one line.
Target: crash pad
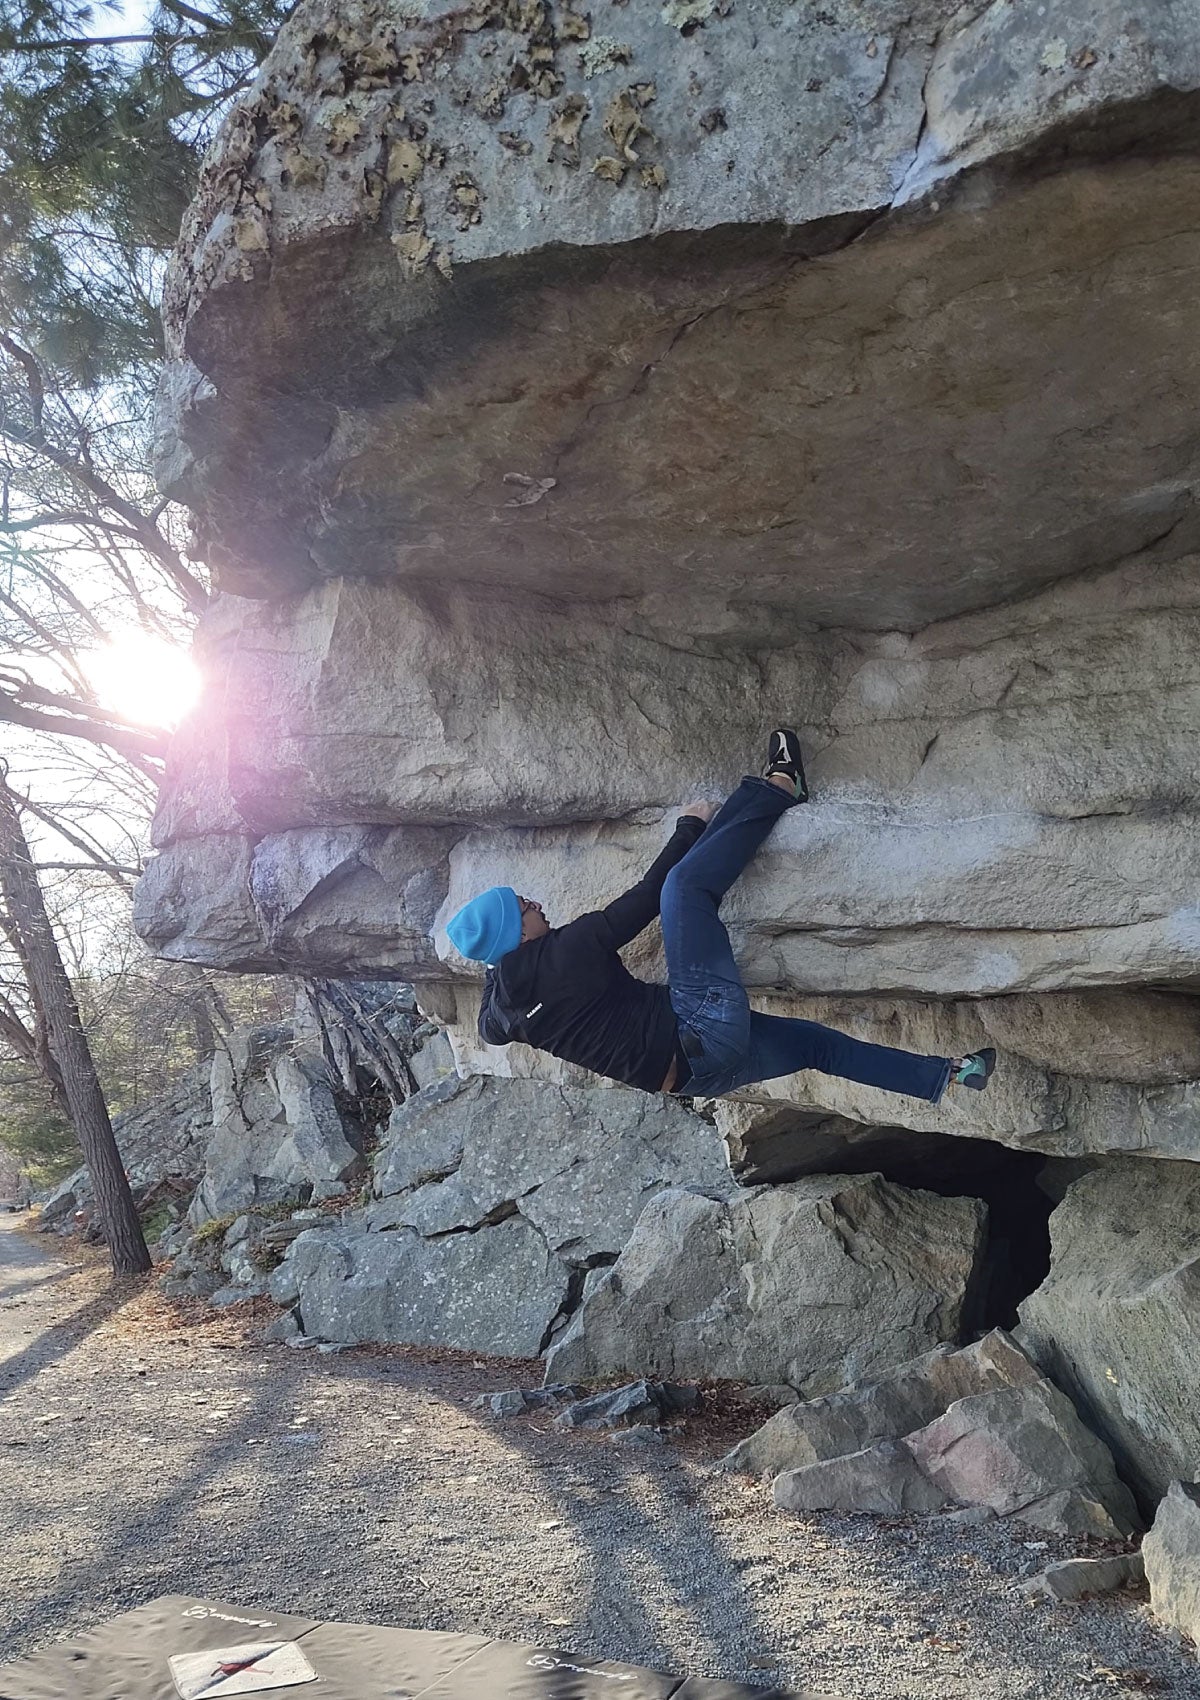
{"points": [[184, 1648]]}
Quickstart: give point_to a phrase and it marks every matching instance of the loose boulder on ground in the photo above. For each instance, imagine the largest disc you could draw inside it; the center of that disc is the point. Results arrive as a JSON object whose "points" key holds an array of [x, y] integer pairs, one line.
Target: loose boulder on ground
{"points": [[496, 1206], [1171, 1552], [497, 1291], [886, 1407], [815, 1284], [1018, 1451], [1081, 1578], [1024, 1452], [1116, 1323], [641, 1403]]}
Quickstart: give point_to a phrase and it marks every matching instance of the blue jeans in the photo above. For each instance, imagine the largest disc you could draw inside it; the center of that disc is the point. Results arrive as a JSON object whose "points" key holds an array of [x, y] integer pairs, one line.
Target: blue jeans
{"points": [[727, 1044]]}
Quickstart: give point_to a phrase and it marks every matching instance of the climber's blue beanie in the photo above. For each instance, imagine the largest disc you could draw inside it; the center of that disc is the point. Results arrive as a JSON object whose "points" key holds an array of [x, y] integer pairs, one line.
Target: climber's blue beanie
{"points": [[489, 926]]}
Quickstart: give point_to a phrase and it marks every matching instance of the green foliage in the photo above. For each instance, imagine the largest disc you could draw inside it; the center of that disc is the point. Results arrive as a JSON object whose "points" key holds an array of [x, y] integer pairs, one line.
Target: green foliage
{"points": [[155, 1222], [214, 1229], [100, 140], [42, 1142]]}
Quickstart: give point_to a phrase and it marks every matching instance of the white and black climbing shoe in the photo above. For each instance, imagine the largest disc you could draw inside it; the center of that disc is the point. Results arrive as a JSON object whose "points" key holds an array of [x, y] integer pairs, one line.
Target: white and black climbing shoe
{"points": [[975, 1070], [783, 756]]}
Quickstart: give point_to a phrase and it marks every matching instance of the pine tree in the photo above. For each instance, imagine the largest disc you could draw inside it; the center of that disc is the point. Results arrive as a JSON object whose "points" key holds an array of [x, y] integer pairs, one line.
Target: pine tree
{"points": [[101, 133]]}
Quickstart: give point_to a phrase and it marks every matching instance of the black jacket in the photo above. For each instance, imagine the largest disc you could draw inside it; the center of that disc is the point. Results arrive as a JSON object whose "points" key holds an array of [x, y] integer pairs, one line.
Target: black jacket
{"points": [[570, 994]]}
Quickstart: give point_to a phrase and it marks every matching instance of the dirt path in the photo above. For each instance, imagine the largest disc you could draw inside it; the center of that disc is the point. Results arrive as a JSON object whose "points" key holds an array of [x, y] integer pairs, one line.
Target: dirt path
{"points": [[145, 1450]]}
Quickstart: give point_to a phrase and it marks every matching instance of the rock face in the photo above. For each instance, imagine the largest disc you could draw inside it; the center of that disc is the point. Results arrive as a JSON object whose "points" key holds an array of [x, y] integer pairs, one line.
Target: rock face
{"points": [[162, 1143], [1172, 1557], [277, 1132], [989, 815], [491, 1202], [492, 1292], [563, 401], [543, 388], [1117, 1321], [535, 305], [815, 1284]]}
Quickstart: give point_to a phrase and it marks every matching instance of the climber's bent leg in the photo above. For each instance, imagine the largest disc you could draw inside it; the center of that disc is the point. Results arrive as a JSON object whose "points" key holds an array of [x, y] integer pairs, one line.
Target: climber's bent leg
{"points": [[727, 843], [706, 988]]}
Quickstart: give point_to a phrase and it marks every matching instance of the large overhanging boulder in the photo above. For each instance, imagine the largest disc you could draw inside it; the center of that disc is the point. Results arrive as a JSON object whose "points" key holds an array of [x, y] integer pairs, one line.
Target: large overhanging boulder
{"points": [[515, 295], [565, 399]]}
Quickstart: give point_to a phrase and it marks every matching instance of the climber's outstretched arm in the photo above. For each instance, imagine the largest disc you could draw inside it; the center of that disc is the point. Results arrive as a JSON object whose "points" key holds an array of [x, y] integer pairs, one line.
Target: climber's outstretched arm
{"points": [[633, 911]]}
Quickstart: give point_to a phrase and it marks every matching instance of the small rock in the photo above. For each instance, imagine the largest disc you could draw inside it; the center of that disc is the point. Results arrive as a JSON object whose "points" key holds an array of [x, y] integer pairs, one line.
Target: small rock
{"points": [[638, 1404], [640, 1436], [514, 1402], [1077, 1578], [285, 1330], [229, 1296]]}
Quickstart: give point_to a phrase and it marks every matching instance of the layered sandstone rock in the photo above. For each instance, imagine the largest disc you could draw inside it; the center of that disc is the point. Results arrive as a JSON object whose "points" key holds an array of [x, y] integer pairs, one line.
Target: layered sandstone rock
{"points": [[581, 304], [546, 381]]}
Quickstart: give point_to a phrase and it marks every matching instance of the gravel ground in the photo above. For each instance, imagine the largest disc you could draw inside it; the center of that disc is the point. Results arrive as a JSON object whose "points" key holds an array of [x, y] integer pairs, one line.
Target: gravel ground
{"points": [[148, 1448]]}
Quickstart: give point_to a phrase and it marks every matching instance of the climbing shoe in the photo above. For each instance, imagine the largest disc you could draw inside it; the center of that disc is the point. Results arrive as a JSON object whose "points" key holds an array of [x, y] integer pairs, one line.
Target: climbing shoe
{"points": [[975, 1070], [783, 756]]}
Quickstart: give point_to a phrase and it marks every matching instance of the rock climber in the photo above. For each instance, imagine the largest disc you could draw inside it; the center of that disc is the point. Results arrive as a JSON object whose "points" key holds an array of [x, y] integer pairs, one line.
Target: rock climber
{"points": [[565, 989]]}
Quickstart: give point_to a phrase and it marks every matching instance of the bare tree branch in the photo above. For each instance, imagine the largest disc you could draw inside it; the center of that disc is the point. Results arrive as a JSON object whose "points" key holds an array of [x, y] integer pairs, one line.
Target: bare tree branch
{"points": [[138, 748]]}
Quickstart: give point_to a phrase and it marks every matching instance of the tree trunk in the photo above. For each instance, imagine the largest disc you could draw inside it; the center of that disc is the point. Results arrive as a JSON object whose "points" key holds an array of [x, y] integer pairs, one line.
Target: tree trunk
{"points": [[55, 1001]]}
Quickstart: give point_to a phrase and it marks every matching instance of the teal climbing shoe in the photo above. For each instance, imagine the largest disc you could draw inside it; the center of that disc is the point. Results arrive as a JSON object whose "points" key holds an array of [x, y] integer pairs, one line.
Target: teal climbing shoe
{"points": [[975, 1070]]}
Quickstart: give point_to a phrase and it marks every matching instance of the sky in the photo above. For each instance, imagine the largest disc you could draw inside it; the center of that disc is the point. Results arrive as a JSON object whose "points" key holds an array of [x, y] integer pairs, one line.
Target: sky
{"points": [[133, 14]]}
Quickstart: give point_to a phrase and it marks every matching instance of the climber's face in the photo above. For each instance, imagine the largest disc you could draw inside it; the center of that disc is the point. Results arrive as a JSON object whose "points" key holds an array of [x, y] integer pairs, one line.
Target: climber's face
{"points": [[534, 924]]}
